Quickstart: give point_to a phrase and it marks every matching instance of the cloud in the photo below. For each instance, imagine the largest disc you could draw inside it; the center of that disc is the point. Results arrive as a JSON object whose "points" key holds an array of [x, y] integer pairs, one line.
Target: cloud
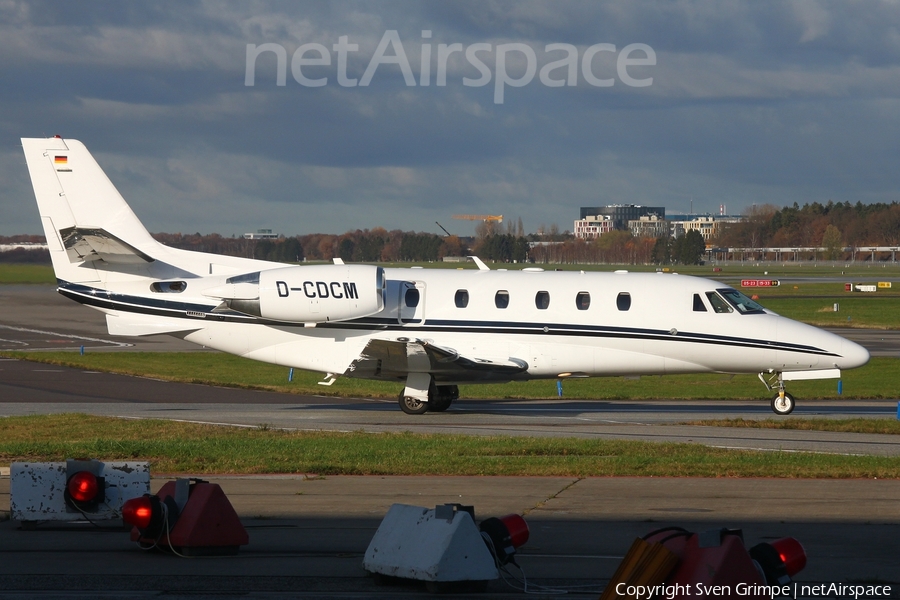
{"points": [[750, 103]]}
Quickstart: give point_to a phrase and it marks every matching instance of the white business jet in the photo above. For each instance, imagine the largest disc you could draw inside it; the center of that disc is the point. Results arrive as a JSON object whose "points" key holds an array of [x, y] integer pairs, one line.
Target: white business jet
{"points": [[431, 329]]}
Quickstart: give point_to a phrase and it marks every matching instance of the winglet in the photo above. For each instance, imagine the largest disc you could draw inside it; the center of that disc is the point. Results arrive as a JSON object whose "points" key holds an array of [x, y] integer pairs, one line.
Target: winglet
{"points": [[480, 263]]}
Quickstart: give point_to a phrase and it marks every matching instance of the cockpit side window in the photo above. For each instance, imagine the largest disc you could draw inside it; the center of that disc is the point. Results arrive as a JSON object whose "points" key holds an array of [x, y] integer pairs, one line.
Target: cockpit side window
{"points": [[742, 303], [698, 304], [719, 305]]}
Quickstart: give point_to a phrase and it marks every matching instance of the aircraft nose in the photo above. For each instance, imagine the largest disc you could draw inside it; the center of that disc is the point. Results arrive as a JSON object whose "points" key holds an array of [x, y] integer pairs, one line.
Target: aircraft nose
{"points": [[853, 355]]}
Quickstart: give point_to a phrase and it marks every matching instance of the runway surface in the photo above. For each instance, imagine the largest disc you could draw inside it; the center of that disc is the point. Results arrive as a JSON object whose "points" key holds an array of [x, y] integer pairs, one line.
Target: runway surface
{"points": [[34, 388]]}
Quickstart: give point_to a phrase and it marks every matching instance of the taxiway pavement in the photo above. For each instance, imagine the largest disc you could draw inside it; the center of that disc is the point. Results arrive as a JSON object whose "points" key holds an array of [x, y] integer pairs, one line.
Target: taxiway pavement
{"points": [[308, 534]]}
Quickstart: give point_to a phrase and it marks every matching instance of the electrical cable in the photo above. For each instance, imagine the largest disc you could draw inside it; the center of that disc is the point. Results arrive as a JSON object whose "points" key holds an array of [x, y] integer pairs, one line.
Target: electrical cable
{"points": [[523, 586]]}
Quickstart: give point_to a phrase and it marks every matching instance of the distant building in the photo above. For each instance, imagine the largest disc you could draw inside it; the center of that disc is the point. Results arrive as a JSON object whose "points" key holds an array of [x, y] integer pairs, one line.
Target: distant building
{"points": [[649, 226], [593, 226], [620, 214], [261, 234], [709, 226], [22, 246]]}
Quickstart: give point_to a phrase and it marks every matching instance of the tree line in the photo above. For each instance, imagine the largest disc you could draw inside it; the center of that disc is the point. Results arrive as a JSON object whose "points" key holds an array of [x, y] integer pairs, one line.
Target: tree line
{"points": [[832, 225], [379, 245]]}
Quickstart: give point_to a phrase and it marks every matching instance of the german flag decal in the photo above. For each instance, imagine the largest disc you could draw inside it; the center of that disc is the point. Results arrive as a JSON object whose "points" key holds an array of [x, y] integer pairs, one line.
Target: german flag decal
{"points": [[61, 163]]}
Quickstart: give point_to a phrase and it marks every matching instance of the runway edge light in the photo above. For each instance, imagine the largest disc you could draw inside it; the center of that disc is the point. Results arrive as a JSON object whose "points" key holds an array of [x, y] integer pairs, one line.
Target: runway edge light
{"points": [[75, 490], [442, 545], [506, 534], [189, 517], [780, 560]]}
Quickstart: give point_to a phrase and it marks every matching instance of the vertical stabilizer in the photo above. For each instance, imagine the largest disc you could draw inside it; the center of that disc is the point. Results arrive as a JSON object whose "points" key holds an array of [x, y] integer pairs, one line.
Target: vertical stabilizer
{"points": [[84, 217]]}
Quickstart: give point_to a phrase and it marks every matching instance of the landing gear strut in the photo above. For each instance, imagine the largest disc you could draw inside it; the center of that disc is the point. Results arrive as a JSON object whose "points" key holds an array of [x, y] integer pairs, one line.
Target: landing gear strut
{"points": [[783, 403]]}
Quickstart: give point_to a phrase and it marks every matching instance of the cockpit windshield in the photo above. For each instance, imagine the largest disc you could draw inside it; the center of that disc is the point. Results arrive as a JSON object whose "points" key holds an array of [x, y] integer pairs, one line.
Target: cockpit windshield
{"points": [[742, 303]]}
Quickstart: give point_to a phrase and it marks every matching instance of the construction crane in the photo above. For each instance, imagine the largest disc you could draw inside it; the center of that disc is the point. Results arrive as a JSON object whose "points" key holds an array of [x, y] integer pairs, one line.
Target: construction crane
{"points": [[442, 227], [497, 218]]}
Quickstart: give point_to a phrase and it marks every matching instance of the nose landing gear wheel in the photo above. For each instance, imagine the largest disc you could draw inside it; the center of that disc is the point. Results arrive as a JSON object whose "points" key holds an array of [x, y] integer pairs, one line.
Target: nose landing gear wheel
{"points": [[412, 406], [783, 406]]}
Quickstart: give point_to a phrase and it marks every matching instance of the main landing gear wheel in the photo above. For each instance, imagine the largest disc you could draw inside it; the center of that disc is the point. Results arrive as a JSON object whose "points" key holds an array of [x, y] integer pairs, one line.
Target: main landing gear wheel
{"points": [[442, 398], [783, 405], [412, 406]]}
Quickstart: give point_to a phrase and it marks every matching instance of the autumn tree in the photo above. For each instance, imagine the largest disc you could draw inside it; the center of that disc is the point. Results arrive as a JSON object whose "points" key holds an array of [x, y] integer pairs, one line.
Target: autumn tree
{"points": [[832, 242]]}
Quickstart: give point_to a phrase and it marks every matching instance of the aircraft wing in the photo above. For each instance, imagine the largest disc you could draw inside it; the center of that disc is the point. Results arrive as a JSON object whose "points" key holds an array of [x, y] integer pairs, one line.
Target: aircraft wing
{"points": [[396, 359]]}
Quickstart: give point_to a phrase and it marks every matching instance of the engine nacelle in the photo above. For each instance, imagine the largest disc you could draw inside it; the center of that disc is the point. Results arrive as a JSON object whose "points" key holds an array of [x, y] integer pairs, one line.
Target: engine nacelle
{"points": [[313, 294]]}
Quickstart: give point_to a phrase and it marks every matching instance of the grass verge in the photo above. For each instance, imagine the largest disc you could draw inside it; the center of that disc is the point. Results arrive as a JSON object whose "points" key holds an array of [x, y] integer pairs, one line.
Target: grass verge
{"points": [[26, 273], [886, 426], [878, 379], [173, 447]]}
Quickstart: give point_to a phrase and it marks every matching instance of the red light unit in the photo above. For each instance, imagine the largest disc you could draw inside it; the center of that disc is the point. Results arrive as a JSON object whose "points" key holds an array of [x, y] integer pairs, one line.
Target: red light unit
{"points": [[138, 512], [83, 486], [791, 553], [780, 560], [506, 534]]}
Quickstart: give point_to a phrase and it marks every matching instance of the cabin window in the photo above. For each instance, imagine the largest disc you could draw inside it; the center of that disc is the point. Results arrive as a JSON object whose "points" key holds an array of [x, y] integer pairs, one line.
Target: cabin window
{"points": [[168, 287], [742, 303], [583, 301], [542, 300], [698, 304], [461, 298], [718, 304], [623, 301], [501, 299], [412, 297]]}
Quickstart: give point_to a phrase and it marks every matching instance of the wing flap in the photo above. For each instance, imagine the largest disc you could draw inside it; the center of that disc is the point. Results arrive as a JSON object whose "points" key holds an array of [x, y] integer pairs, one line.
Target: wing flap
{"points": [[396, 359], [132, 324]]}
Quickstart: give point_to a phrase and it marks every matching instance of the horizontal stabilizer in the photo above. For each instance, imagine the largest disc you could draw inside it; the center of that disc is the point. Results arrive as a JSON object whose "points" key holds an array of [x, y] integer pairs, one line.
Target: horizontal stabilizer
{"points": [[87, 245]]}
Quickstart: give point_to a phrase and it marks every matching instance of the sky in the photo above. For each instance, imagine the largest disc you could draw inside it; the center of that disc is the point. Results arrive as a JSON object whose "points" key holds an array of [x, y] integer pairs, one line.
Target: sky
{"points": [[400, 114]]}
